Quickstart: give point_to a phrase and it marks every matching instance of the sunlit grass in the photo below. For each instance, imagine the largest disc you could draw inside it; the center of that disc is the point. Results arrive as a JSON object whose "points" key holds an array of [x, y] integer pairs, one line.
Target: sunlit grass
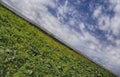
{"points": [[26, 51]]}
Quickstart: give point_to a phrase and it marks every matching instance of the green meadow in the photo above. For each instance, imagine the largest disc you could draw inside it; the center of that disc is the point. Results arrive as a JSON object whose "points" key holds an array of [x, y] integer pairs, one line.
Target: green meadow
{"points": [[26, 51]]}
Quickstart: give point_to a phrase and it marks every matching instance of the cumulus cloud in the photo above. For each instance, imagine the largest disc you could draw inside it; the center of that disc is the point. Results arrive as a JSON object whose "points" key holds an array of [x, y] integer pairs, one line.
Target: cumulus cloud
{"points": [[97, 11], [73, 29], [107, 24]]}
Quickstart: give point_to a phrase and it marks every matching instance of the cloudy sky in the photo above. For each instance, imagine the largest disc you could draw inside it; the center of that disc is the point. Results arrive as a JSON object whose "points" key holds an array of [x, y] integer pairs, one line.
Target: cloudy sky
{"points": [[91, 26]]}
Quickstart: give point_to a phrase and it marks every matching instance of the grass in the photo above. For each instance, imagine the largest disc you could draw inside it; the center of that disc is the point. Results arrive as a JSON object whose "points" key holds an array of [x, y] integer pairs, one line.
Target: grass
{"points": [[26, 51]]}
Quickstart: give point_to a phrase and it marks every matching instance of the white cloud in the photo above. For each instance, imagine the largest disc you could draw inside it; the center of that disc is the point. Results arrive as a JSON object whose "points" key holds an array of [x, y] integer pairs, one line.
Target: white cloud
{"points": [[106, 55], [111, 53], [97, 11], [107, 23]]}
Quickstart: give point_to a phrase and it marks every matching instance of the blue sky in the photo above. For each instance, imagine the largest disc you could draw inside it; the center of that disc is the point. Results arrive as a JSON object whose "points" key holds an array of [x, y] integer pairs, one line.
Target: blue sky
{"points": [[91, 26]]}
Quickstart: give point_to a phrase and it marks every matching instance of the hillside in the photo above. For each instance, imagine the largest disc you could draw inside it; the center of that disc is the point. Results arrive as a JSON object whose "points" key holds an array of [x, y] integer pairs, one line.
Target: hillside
{"points": [[25, 51]]}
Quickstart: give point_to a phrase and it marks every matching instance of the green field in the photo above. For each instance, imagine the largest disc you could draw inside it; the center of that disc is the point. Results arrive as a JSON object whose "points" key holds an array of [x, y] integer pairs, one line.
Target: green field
{"points": [[26, 51]]}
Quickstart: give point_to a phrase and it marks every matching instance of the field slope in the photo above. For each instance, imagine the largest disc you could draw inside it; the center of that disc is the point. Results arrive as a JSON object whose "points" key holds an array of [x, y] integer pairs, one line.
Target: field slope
{"points": [[26, 51]]}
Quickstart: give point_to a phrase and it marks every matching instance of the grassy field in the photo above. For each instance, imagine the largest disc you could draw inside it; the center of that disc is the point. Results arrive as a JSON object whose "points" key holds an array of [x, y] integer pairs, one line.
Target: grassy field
{"points": [[26, 51]]}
